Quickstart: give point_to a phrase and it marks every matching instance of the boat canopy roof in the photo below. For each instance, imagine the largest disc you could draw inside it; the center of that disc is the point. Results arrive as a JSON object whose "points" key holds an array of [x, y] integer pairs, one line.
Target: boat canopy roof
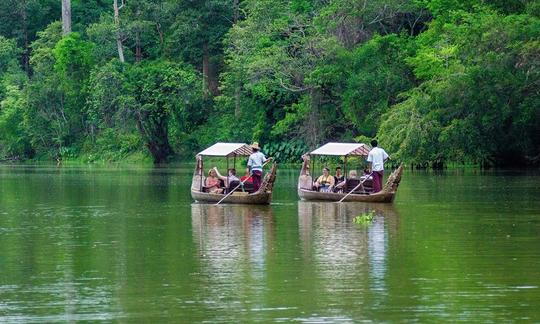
{"points": [[343, 149], [227, 149]]}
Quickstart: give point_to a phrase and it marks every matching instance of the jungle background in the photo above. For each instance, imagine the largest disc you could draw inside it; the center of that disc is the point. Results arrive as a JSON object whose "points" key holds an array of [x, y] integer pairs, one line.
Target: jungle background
{"points": [[437, 82]]}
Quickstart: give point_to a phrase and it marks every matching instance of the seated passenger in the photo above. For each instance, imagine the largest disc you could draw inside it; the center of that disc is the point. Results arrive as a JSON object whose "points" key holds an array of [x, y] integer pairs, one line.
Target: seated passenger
{"points": [[247, 178], [343, 184], [230, 178], [247, 181], [366, 174], [231, 181], [212, 183], [367, 180], [338, 179], [325, 183], [353, 183]]}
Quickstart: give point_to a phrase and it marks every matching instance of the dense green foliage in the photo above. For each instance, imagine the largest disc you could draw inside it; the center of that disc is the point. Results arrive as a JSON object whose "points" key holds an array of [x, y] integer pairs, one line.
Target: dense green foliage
{"points": [[436, 81]]}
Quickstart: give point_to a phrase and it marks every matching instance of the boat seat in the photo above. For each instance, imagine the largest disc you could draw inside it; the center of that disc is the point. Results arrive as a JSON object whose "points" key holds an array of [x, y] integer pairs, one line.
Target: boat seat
{"points": [[233, 185], [368, 185], [351, 184]]}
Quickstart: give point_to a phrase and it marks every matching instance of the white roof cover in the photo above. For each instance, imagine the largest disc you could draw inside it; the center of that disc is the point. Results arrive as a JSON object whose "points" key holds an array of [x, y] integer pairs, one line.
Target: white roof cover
{"points": [[227, 149], [343, 149]]}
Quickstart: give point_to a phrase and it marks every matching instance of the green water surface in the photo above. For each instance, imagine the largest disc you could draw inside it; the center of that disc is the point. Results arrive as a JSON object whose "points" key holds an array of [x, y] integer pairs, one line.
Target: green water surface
{"points": [[120, 244]]}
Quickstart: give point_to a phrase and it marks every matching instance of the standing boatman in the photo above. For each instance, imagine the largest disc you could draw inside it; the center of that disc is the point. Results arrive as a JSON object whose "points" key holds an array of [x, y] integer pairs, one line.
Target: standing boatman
{"points": [[255, 165], [376, 158]]}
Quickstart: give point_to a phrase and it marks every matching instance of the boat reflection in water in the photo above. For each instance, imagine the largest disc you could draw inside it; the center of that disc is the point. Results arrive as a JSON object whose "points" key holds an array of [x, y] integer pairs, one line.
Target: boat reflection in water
{"points": [[342, 249], [232, 241]]}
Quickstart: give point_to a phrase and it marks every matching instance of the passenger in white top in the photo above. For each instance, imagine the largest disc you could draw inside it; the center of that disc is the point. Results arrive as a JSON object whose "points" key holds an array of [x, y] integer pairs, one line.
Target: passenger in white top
{"points": [[229, 179], [376, 158]]}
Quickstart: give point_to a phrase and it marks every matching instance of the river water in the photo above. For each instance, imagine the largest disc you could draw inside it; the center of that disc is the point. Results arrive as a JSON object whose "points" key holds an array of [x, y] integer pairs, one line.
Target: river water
{"points": [[128, 244]]}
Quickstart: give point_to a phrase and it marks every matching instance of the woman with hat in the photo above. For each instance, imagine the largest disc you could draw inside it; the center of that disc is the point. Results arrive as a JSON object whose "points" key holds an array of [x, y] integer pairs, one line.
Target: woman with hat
{"points": [[255, 165]]}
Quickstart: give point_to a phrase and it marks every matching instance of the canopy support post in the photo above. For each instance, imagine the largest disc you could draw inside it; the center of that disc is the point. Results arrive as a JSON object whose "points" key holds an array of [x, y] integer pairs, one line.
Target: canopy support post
{"points": [[227, 182], [345, 170], [201, 174], [312, 172]]}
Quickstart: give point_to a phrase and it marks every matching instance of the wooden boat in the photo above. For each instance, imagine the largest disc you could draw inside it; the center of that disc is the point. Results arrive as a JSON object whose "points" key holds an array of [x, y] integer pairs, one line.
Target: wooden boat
{"points": [[305, 181], [231, 150]]}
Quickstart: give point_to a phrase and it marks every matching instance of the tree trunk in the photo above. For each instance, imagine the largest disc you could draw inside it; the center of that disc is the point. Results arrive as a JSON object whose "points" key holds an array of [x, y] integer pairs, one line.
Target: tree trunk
{"points": [[205, 69], [26, 52], [213, 77], [210, 74], [155, 133], [66, 16], [118, 34], [237, 110], [235, 11], [313, 129], [138, 50]]}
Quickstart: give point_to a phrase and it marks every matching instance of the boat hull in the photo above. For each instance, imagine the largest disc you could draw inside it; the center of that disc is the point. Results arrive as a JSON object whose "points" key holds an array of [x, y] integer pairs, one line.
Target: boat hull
{"points": [[259, 198], [380, 197]]}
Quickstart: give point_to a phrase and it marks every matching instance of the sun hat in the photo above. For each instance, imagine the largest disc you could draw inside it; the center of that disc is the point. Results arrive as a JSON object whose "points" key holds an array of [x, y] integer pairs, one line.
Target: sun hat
{"points": [[255, 145]]}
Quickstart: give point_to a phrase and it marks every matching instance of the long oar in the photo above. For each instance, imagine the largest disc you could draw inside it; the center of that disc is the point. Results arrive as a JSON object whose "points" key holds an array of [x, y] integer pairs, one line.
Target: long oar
{"points": [[241, 184], [361, 183]]}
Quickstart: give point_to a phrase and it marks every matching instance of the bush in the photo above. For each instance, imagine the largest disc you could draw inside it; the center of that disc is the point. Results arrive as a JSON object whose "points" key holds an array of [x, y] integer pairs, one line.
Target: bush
{"points": [[290, 151]]}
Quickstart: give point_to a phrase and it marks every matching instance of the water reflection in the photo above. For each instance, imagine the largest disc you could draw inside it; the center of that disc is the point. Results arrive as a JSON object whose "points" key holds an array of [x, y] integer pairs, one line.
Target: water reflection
{"points": [[222, 230], [232, 242], [342, 249]]}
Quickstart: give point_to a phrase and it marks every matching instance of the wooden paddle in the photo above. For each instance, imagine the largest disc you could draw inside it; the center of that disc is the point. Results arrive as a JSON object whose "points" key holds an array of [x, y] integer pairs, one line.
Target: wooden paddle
{"points": [[241, 184], [361, 183]]}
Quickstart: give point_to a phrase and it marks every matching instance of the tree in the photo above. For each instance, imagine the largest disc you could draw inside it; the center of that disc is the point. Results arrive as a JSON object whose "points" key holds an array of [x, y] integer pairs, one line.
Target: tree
{"points": [[196, 32], [22, 19], [478, 101], [374, 74], [56, 93], [14, 140], [161, 93], [8, 56]]}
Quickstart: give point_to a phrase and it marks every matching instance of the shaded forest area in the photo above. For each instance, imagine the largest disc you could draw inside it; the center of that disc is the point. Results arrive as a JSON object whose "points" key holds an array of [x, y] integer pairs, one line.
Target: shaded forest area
{"points": [[435, 81]]}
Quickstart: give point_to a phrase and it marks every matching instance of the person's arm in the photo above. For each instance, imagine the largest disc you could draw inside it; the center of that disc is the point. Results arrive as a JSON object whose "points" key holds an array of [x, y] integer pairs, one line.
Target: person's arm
{"points": [[249, 164], [317, 182], [219, 175], [332, 181]]}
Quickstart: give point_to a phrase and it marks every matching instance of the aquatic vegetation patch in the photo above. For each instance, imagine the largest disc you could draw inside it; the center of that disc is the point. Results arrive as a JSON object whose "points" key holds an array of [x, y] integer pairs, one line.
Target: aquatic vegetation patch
{"points": [[365, 218]]}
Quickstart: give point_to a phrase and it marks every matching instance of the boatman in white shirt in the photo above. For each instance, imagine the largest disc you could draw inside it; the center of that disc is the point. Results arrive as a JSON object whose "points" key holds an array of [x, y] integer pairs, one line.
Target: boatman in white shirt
{"points": [[255, 165], [376, 158]]}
